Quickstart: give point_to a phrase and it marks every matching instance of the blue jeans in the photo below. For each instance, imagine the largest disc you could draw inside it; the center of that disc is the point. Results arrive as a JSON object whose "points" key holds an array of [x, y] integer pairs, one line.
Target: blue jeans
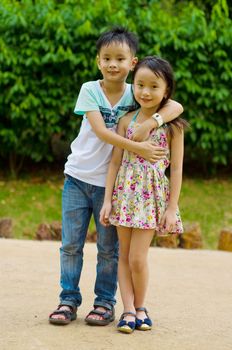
{"points": [[79, 201]]}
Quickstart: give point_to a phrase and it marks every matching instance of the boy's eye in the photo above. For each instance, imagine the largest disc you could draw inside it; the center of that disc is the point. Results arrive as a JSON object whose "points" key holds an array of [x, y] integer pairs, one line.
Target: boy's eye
{"points": [[121, 59], [106, 59]]}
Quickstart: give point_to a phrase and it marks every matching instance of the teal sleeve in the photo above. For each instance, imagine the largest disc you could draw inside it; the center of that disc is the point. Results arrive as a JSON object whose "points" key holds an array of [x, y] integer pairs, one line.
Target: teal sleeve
{"points": [[86, 101]]}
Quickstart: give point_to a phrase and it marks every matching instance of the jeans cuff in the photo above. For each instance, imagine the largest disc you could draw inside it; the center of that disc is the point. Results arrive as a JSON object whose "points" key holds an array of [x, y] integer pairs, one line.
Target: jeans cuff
{"points": [[105, 304], [68, 303]]}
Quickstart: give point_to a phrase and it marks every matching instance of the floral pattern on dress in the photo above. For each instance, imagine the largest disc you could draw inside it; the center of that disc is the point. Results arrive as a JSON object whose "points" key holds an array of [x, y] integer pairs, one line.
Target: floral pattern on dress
{"points": [[141, 191]]}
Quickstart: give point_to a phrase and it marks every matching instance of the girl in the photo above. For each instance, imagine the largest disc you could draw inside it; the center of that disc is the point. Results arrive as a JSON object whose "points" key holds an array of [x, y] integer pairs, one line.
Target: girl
{"points": [[137, 198]]}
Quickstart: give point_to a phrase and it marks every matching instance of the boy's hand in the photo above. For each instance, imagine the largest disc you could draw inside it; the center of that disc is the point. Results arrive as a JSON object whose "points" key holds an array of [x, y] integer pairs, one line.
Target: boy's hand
{"points": [[105, 213], [151, 152], [142, 132], [168, 221]]}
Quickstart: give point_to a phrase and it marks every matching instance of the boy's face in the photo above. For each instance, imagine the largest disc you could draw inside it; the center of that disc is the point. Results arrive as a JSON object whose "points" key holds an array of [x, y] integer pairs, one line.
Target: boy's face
{"points": [[115, 62]]}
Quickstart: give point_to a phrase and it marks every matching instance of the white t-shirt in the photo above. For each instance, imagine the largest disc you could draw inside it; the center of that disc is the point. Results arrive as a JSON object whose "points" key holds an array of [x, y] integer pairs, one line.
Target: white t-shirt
{"points": [[90, 156]]}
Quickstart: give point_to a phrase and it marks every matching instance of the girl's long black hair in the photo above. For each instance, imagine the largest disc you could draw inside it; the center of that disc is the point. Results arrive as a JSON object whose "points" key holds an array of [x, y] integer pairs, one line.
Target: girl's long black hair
{"points": [[162, 68]]}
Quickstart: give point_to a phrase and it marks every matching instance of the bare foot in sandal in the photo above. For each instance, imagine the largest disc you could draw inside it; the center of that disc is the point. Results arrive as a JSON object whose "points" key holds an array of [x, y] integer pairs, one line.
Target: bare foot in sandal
{"points": [[100, 316], [64, 314], [97, 317]]}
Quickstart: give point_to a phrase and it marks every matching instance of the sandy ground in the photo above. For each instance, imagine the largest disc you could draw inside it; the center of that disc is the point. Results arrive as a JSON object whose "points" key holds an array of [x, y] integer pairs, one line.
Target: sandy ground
{"points": [[189, 299]]}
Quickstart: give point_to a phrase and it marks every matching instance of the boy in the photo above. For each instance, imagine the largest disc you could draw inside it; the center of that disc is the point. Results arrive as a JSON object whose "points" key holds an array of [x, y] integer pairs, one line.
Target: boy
{"points": [[102, 103]]}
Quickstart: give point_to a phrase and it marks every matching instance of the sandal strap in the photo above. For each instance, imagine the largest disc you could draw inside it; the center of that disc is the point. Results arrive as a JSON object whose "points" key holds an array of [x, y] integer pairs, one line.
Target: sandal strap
{"points": [[62, 312], [106, 306], [105, 314], [66, 313], [142, 309], [127, 313], [72, 308], [109, 308], [97, 312]]}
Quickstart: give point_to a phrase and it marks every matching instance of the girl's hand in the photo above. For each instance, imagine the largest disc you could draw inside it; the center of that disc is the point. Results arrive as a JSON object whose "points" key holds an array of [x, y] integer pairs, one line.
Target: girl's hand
{"points": [[168, 221], [104, 213]]}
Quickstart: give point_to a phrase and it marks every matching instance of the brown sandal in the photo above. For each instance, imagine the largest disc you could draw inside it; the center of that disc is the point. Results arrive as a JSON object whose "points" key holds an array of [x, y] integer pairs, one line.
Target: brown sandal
{"points": [[70, 315], [107, 315]]}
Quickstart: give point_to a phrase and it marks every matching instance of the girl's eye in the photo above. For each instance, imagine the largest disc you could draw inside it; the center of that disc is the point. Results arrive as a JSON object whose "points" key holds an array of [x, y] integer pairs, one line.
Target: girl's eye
{"points": [[121, 59]]}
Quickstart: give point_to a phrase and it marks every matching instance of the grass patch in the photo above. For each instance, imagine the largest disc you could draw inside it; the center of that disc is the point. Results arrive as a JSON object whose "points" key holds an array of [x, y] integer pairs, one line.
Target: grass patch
{"points": [[30, 202], [209, 203]]}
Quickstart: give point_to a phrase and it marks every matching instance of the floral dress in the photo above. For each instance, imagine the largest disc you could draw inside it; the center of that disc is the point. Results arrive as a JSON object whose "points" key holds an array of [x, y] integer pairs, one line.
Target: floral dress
{"points": [[141, 190]]}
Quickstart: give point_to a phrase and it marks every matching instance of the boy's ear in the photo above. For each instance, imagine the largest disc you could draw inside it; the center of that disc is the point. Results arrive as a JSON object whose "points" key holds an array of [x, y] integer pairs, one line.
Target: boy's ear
{"points": [[134, 62]]}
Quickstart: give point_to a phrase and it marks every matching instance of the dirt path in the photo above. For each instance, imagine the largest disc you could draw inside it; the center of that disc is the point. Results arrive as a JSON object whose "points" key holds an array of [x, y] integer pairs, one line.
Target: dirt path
{"points": [[189, 299]]}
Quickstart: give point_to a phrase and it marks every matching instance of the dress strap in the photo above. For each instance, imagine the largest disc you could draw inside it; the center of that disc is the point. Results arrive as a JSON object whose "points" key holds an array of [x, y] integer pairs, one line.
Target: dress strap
{"points": [[135, 116]]}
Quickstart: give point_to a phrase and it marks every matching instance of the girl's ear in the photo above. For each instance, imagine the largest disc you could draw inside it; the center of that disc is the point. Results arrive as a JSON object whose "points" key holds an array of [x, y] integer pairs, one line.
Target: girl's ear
{"points": [[133, 63], [166, 93], [166, 96]]}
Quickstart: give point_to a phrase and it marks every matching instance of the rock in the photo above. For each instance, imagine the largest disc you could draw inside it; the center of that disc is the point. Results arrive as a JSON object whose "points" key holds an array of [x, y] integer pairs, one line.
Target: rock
{"points": [[51, 232], [6, 227], [43, 232], [191, 238], [170, 241], [56, 229], [225, 240], [91, 237]]}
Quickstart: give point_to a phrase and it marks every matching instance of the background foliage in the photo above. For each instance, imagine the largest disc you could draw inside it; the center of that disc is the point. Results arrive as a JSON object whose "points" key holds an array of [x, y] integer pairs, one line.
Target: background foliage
{"points": [[47, 50]]}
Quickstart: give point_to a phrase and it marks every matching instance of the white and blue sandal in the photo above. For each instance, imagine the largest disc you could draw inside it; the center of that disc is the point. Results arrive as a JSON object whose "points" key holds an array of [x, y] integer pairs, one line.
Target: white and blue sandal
{"points": [[143, 325], [124, 326]]}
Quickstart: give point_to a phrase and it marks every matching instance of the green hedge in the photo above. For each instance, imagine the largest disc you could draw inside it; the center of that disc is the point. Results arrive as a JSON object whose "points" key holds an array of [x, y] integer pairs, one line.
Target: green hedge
{"points": [[47, 50]]}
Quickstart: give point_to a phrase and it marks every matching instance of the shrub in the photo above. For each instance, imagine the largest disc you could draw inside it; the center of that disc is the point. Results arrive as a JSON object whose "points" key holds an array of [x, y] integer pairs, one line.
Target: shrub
{"points": [[47, 50]]}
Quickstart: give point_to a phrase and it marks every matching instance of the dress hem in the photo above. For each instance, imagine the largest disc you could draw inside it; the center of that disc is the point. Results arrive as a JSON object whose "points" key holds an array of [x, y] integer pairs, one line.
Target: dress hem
{"points": [[155, 228]]}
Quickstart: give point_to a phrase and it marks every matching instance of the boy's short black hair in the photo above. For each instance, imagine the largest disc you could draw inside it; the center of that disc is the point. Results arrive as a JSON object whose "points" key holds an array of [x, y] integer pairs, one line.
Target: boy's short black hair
{"points": [[119, 35]]}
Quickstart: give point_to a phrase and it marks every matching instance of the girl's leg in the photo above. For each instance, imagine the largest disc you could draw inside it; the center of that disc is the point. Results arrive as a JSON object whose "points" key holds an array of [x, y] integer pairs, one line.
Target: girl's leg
{"points": [[124, 273], [140, 243]]}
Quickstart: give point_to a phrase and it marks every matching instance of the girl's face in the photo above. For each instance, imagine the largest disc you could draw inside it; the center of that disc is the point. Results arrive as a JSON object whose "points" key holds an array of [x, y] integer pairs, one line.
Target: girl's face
{"points": [[149, 89]]}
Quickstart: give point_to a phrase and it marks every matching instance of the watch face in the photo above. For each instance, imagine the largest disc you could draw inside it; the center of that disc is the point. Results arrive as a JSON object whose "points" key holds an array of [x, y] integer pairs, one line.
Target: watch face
{"points": [[158, 118]]}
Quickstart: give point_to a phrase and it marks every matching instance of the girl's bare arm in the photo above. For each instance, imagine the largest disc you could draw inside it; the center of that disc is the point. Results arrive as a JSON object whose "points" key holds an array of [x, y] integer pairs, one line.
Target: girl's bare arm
{"points": [[176, 168]]}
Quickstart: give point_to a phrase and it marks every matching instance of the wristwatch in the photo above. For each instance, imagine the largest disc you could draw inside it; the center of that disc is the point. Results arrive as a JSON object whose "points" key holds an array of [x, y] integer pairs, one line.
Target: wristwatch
{"points": [[157, 117]]}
